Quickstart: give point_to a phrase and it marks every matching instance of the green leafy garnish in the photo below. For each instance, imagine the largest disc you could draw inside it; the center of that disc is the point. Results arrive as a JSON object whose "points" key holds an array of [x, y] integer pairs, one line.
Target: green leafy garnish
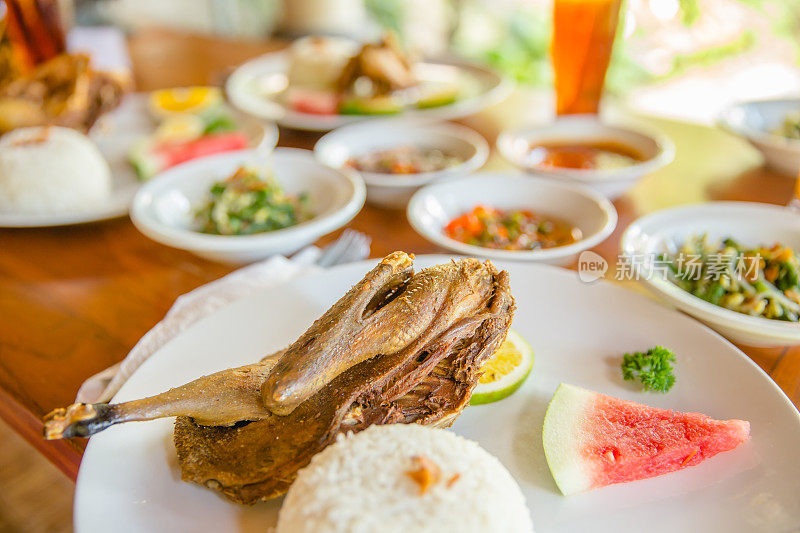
{"points": [[219, 123], [653, 368]]}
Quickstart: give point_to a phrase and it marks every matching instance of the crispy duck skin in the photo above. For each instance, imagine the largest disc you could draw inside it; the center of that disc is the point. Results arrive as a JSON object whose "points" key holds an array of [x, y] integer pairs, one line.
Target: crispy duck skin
{"points": [[63, 91], [384, 64], [399, 347]]}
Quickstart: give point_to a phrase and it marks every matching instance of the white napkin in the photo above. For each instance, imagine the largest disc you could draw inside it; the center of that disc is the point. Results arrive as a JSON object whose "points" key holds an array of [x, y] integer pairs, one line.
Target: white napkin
{"points": [[193, 306]]}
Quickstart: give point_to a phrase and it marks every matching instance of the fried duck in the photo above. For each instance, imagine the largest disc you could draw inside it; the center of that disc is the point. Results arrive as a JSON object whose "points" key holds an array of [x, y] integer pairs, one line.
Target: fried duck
{"points": [[399, 347], [63, 91], [384, 64]]}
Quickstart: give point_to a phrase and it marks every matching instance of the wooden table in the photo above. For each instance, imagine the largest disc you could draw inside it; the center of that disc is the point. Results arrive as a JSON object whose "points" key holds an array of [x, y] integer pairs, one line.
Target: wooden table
{"points": [[74, 300]]}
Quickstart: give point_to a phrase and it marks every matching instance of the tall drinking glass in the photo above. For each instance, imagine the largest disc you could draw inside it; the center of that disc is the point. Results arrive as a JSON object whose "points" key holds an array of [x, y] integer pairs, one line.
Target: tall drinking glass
{"points": [[583, 37], [34, 30], [794, 203]]}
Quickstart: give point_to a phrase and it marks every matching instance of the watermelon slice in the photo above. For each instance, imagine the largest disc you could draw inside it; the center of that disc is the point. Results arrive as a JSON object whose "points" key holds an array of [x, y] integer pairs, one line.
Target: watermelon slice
{"points": [[151, 157], [592, 440], [313, 101]]}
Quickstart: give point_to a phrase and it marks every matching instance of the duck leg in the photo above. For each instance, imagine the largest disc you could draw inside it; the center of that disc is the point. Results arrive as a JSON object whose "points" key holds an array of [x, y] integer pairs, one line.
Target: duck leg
{"points": [[220, 399]]}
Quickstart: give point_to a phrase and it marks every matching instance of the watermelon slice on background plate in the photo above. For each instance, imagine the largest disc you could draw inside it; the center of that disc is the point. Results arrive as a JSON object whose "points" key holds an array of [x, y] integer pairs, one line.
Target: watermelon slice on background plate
{"points": [[151, 157], [592, 440]]}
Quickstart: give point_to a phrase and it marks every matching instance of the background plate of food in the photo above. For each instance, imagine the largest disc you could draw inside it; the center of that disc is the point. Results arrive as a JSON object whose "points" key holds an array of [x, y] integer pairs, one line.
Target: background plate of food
{"points": [[732, 265], [130, 474], [321, 83], [772, 126], [52, 176]]}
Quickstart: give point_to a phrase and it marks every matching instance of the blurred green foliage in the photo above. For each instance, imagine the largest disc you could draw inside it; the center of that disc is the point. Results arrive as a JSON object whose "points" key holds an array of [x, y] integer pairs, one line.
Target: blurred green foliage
{"points": [[520, 39]]}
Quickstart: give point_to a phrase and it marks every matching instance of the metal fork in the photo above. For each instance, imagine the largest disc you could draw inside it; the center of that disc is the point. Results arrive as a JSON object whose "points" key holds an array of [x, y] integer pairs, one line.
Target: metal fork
{"points": [[350, 246]]}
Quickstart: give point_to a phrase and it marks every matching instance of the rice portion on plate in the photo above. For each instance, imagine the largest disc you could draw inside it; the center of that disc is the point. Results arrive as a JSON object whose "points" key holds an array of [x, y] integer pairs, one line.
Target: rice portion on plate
{"points": [[51, 169], [404, 477]]}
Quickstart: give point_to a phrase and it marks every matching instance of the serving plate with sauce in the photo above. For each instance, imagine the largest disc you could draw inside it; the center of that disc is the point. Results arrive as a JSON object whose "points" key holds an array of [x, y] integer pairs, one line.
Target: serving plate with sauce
{"points": [[582, 149]]}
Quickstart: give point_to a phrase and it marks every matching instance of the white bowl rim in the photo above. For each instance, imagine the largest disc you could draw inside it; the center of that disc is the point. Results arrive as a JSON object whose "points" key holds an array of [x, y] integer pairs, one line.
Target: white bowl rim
{"points": [[713, 313], [555, 253], [193, 240], [756, 134], [665, 151], [439, 128]]}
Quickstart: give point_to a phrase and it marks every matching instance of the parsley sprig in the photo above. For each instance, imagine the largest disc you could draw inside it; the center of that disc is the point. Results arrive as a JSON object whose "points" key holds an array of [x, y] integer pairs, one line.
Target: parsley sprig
{"points": [[653, 368]]}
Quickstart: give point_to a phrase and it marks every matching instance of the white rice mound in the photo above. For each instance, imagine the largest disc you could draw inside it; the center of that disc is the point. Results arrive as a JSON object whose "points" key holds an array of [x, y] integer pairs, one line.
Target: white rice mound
{"points": [[50, 170], [360, 484], [316, 62]]}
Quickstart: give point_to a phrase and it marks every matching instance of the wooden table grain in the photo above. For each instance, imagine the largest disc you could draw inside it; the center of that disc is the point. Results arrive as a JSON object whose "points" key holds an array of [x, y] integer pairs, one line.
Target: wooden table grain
{"points": [[74, 300]]}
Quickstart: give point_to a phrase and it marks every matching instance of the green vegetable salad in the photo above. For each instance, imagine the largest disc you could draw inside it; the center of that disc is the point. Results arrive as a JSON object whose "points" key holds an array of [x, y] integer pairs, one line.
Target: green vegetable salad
{"points": [[759, 281], [247, 203]]}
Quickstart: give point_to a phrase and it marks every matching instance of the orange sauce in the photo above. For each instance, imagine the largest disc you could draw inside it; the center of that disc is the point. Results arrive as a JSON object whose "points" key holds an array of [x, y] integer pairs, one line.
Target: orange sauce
{"points": [[583, 37], [599, 155], [516, 229]]}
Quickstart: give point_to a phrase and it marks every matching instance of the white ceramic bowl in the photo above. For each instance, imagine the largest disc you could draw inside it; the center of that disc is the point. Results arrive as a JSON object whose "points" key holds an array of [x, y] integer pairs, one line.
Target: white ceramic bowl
{"points": [[755, 121], [751, 224], [387, 190], [432, 207], [656, 149], [164, 207]]}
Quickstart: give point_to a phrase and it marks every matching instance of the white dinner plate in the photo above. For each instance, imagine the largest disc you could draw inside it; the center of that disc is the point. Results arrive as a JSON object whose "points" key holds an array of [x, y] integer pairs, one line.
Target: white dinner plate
{"points": [[115, 133], [252, 88], [130, 478]]}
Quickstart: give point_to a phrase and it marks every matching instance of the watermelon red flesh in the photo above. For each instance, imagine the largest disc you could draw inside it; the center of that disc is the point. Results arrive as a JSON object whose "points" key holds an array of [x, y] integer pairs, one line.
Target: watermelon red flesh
{"points": [[312, 101], [174, 153], [597, 440]]}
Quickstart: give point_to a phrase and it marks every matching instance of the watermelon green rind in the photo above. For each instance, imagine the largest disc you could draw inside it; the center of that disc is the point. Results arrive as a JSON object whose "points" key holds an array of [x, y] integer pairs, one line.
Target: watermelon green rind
{"points": [[562, 437], [377, 105], [146, 163], [592, 440]]}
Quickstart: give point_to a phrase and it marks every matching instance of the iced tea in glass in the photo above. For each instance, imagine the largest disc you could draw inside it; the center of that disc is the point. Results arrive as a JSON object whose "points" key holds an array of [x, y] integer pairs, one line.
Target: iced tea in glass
{"points": [[583, 37], [33, 29]]}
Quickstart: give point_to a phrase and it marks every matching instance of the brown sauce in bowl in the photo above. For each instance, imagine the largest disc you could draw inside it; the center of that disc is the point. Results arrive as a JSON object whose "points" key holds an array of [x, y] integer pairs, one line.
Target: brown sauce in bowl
{"points": [[599, 155]]}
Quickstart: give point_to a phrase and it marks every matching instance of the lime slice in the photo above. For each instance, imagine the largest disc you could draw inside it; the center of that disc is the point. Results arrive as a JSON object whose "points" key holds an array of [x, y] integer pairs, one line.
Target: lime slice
{"points": [[180, 128], [194, 100], [505, 370]]}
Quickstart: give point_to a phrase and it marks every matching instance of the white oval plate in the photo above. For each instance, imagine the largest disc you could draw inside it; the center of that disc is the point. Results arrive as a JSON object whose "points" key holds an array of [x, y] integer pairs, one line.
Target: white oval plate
{"points": [[115, 133], [129, 475], [250, 85], [751, 224], [434, 206]]}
